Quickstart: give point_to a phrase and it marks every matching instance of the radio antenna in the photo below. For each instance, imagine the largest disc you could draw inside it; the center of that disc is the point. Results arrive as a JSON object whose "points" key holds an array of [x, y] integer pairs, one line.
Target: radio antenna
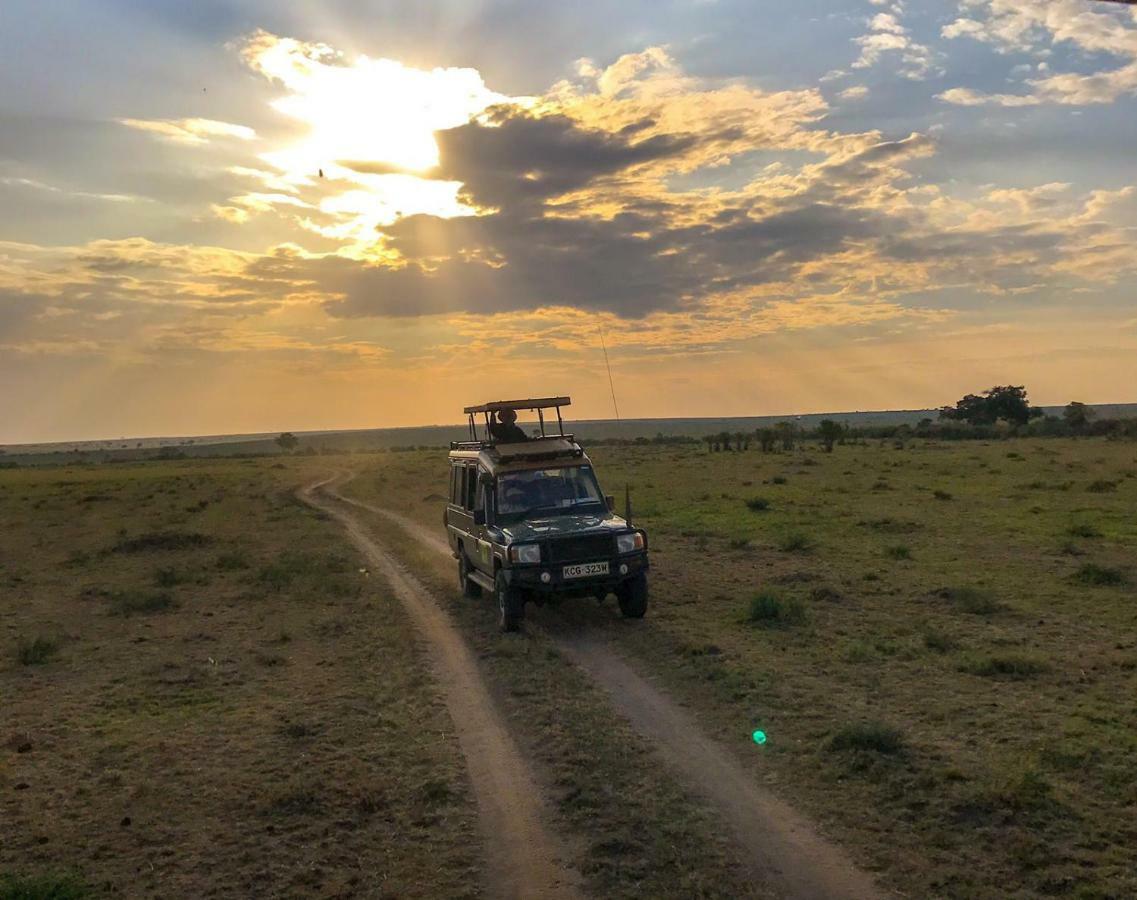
{"points": [[608, 366]]}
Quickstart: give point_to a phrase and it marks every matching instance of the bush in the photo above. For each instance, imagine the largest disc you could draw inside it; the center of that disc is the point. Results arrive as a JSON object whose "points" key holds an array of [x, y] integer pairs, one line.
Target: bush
{"points": [[1101, 486], [232, 561], [778, 479], [35, 652], [758, 504], [1083, 531], [1005, 666], [970, 600], [1092, 573], [873, 737], [941, 495], [771, 611], [940, 642], [42, 887], [127, 603], [898, 551], [161, 540], [795, 542]]}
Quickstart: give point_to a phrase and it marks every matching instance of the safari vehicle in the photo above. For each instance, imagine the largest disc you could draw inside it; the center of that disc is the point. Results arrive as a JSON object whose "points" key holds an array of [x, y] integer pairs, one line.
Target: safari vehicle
{"points": [[527, 521]]}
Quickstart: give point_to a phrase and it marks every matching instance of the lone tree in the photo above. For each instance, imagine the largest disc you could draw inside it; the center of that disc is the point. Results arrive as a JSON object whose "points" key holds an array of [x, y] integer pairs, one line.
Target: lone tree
{"points": [[1077, 415], [1006, 402], [830, 432], [287, 442]]}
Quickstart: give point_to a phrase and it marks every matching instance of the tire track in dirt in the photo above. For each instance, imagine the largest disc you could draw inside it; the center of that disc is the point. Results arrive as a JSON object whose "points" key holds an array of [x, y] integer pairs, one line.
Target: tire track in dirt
{"points": [[779, 846], [524, 860]]}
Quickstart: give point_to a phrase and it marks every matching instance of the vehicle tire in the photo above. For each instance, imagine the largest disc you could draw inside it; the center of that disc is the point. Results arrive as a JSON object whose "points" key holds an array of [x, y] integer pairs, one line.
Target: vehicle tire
{"points": [[632, 595], [510, 604], [470, 590]]}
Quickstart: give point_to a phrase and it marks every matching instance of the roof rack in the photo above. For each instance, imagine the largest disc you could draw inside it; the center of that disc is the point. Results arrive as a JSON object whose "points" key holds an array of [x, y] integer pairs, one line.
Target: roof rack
{"points": [[487, 410]]}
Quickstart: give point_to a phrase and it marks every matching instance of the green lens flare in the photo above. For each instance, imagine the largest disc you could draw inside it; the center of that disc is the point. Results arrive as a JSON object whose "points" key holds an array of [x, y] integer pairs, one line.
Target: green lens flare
{"points": [[759, 737]]}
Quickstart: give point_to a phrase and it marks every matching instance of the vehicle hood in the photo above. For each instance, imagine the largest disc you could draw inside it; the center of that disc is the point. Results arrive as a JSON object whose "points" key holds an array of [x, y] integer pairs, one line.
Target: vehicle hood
{"points": [[564, 526]]}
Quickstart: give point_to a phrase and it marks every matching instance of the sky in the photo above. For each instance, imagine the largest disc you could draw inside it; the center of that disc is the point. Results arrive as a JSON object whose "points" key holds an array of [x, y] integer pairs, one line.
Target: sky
{"points": [[232, 217]]}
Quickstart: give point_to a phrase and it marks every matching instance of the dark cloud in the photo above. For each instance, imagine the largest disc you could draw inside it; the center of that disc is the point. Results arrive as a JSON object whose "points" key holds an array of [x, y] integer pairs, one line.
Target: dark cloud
{"points": [[519, 158], [524, 255]]}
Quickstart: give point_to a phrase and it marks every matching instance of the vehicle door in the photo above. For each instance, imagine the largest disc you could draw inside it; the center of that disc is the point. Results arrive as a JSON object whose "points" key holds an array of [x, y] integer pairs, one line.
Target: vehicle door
{"points": [[458, 515], [480, 502]]}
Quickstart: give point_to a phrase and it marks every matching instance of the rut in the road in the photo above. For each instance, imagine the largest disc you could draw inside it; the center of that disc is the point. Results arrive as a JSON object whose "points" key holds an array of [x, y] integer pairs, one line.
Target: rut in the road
{"points": [[779, 846], [524, 860]]}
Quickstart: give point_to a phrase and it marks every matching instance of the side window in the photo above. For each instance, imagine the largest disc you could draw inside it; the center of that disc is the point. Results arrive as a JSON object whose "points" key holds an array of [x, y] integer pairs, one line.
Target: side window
{"points": [[471, 485], [455, 482], [480, 499], [460, 484]]}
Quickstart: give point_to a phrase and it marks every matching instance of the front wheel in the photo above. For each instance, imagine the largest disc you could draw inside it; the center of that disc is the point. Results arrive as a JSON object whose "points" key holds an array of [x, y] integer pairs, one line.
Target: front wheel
{"points": [[510, 604], [632, 595], [470, 590]]}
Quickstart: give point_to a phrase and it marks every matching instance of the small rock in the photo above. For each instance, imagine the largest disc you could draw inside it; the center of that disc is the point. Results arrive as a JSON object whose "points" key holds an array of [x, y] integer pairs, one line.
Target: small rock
{"points": [[125, 823]]}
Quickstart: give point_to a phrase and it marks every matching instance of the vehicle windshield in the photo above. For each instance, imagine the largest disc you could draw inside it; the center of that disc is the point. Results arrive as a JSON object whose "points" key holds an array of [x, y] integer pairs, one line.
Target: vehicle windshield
{"points": [[537, 492]]}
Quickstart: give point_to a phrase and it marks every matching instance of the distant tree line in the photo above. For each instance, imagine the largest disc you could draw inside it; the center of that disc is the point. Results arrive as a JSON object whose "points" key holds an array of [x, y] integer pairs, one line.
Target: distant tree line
{"points": [[999, 412]]}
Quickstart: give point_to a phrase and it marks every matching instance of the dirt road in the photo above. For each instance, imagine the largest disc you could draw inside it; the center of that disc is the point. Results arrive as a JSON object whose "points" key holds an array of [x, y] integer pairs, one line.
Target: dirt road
{"points": [[776, 843], [524, 858]]}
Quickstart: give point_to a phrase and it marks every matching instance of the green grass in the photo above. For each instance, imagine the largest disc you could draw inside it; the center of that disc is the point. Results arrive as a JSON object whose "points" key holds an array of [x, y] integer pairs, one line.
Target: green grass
{"points": [[898, 551], [768, 610], [757, 504], [153, 674]]}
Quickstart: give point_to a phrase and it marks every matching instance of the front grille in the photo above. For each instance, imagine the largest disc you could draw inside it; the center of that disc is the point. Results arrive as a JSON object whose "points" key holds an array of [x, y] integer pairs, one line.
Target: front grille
{"points": [[581, 549]]}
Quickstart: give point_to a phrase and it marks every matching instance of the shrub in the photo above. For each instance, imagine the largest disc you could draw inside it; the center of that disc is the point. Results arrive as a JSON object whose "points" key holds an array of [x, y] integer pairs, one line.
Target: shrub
{"points": [[1083, 531], [42, 887], [941, 495], [128, 603], [940, 642], [970, 600], [232, 561], [778, 479], [872, 737], [161, 540], [35, 652], [795, 542], [771, 611], [1004, 666], [898, 551], [758, 504], [825, 594], [739, 543], [1092, 573], [1101, 486]]}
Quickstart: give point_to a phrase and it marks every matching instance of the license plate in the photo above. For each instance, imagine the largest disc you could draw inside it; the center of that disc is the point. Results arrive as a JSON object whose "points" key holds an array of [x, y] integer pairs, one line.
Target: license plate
{"points": [[585, 570]]}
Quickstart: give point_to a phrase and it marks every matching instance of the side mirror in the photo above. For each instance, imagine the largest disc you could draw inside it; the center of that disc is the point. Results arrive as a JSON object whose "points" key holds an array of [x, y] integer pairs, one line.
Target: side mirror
{"points": [[479, 517], [611, 502]]}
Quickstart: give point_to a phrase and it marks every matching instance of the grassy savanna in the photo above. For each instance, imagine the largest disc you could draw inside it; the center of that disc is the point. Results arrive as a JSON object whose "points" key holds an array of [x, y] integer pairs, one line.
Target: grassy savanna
{"points": [[203, 695], [937, 638]]}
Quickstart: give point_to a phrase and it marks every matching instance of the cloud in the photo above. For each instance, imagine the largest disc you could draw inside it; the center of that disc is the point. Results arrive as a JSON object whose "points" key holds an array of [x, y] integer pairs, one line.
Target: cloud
{"points": [[1012, 27], [887, 36], [856, 92], [190, 131]]}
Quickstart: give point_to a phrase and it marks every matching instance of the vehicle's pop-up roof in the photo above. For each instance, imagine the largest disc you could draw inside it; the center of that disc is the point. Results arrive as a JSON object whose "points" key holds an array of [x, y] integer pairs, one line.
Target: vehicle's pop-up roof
{"points": [[487, 411]]}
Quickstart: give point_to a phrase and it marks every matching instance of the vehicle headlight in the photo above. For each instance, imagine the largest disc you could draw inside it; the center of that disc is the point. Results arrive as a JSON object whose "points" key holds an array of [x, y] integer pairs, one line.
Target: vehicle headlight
{"points": [[525, 553], [630, 543]]}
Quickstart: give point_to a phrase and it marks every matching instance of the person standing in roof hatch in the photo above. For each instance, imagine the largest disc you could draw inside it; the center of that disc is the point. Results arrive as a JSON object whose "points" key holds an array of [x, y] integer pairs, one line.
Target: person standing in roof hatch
{"points": [[505, 430]]}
